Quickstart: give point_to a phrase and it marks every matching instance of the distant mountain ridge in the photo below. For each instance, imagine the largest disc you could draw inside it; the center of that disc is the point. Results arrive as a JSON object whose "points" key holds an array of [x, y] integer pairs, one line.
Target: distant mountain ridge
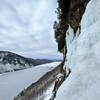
{"points": [[12, 62]]}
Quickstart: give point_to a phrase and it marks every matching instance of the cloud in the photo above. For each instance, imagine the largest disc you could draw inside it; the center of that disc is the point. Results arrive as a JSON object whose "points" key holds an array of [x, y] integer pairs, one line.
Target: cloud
{"points": [[26, 27]]}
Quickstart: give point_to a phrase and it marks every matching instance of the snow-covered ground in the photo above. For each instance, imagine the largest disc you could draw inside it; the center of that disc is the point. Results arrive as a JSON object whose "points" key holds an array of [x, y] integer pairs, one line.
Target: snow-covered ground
{"points": [[84, 59], [12, 83]]}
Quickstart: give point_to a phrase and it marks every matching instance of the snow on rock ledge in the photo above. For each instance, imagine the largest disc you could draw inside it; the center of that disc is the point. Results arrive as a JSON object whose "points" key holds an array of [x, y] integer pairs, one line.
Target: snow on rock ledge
{"points": [[84, 59]]}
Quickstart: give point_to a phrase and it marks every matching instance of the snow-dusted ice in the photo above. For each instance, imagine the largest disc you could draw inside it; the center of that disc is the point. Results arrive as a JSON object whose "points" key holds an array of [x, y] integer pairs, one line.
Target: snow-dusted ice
{"points": [[84, 59], [12, 83]]}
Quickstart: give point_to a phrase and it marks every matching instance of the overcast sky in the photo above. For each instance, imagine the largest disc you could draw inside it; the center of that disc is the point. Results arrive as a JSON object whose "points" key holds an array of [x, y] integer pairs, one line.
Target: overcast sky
{"points": [[26, 27]]}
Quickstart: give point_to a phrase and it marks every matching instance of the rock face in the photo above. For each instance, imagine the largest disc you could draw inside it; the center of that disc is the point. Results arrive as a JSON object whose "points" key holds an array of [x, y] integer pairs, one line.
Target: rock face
{"points": [[76, 11], [13, 62], [69, 13]]}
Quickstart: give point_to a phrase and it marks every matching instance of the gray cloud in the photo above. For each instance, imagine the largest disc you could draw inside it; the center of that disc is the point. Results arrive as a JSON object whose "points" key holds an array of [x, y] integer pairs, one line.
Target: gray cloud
{"points": [[26, 27]]}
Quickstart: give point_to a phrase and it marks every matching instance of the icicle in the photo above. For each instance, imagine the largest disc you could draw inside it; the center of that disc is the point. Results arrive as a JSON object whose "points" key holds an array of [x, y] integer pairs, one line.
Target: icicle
{"points": [[78, 31]]}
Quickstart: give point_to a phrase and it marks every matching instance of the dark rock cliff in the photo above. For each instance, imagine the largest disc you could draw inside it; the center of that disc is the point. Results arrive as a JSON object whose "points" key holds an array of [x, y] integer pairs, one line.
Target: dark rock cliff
{"points": [[69, 13]]}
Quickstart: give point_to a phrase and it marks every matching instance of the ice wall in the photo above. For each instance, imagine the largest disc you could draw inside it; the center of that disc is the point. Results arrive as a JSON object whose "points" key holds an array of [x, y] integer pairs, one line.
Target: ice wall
{"points": [[84, 59]]}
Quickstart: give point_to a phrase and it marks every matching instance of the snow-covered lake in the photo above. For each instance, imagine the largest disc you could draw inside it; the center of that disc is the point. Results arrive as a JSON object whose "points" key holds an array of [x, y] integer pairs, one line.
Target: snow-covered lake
{"points": [[12, 83]]}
